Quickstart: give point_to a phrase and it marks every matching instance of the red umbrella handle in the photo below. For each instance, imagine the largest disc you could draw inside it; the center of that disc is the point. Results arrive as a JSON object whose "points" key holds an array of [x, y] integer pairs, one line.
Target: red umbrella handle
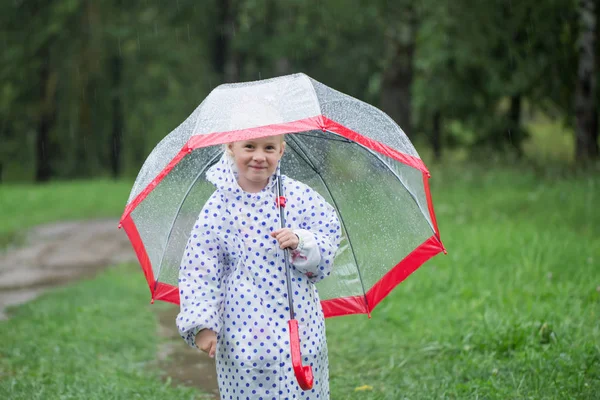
{"points": [[304, 374]]}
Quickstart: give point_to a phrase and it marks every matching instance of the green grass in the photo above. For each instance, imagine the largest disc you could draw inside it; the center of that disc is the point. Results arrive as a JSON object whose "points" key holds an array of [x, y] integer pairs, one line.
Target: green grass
{"points": [[94, 340], [25, 205], [512, 312], [549, 141]]}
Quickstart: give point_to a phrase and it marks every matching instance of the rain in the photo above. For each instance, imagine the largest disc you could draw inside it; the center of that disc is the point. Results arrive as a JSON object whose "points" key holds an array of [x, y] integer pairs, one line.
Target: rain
{"points": [[457, 143]]}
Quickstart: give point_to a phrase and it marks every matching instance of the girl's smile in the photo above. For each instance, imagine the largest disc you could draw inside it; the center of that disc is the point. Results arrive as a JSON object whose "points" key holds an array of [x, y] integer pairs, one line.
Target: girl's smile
{"points": [[256, 160]]}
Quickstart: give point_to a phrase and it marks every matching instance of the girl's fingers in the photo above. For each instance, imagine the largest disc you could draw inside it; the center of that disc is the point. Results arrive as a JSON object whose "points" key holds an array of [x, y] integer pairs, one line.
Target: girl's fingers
{"points": [[288, 242], [213, 349], [279, 233], [285, 237], [285, 240]]}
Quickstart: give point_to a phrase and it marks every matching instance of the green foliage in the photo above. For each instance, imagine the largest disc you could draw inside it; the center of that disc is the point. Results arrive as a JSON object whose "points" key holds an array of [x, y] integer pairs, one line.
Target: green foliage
{"points": [[472, 61], [321, 39], [549, 142], [162, 56], [473, 56]]}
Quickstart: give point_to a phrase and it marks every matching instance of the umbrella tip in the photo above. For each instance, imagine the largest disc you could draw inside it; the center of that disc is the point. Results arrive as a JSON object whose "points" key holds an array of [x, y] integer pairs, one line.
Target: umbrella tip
{"points": [[152, 301], [120, 225]]}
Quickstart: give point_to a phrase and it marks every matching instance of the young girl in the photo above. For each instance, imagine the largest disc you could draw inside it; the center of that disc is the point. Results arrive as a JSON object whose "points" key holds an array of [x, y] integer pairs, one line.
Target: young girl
{"points": [[232, 279]]}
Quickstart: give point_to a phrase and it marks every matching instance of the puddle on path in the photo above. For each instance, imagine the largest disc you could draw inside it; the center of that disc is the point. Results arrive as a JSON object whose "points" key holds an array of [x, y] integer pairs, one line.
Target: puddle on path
{"points": [[56, 254], [183, 364]]}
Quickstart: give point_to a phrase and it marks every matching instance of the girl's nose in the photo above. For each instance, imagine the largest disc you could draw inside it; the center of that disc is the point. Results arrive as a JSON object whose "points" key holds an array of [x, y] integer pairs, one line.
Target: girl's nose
{"points": [[259, 157]]}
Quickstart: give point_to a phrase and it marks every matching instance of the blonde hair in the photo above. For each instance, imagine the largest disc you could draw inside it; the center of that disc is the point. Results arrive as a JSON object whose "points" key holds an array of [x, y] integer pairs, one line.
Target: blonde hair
{"points": [[227, 150], [254, 111]]}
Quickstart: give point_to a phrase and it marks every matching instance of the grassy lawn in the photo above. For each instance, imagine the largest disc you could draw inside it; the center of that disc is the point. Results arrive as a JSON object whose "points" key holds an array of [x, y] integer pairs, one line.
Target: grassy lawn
{"points": [[512, 312], [25, 205], [94, 340]]}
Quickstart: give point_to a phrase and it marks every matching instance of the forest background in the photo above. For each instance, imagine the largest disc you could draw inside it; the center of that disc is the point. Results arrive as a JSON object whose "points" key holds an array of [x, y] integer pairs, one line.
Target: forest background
{"points": [[87, 88]]}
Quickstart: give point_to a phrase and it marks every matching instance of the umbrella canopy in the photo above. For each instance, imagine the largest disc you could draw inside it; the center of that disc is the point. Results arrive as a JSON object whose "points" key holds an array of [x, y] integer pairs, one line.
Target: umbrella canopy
{"points": [[353, 154]]}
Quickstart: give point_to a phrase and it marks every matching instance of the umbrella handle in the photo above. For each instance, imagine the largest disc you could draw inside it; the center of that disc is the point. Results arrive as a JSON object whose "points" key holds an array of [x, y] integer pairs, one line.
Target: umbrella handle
{"points": [[304, 374]]}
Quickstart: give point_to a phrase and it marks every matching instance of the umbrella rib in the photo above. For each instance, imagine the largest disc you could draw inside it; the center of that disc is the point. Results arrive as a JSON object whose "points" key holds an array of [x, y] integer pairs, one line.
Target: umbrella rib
{"points": [[306, 158], [344, 140], [376, 155], [210, 163], [309, 162], [401, 182]]}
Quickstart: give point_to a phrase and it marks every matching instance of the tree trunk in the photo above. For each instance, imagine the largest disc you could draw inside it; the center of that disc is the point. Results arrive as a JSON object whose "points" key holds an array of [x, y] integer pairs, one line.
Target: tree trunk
{"points": [[226, 60], [397, 77], [515, 133], [118, 120], [86, 151], [436, 136], [83, 162], [586, 129], [47, 116], [221, 44]]}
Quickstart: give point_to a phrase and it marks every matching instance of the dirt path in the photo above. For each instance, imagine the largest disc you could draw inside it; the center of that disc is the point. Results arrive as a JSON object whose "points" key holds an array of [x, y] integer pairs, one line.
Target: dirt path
{"points": [[182, 363], [57, 254]]}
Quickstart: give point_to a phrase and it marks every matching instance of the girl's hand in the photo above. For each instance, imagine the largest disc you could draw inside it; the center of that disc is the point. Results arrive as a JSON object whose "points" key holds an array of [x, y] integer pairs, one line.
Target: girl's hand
{"points": [[206, 340], [286, 238]]}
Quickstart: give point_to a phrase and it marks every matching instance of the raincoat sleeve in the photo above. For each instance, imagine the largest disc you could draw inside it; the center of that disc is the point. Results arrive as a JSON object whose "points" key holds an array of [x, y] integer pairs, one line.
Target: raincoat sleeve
{"points": [[319, 236], [202, 276]]}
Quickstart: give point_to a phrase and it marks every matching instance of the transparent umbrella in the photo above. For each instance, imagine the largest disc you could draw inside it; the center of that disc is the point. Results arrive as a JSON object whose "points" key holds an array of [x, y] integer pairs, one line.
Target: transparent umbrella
{"points": [[350, 152]]}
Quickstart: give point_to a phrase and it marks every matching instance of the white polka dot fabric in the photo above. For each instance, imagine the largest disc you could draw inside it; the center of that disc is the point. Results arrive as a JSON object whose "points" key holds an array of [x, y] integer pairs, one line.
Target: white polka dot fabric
{"points": [[232, 280]]}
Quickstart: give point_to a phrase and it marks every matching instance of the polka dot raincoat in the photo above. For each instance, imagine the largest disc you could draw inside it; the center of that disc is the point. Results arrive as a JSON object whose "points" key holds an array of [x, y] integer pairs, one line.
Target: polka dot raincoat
{"points": [[232, 280]]}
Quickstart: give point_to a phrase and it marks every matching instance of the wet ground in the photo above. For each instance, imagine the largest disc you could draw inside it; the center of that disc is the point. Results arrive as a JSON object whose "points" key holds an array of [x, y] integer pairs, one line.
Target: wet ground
{"points": [[182, 363], [54, 255]]}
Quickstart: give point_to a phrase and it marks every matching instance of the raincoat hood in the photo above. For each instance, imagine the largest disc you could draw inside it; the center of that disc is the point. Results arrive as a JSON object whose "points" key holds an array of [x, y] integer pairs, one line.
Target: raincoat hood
{"points": [[224, 176]]}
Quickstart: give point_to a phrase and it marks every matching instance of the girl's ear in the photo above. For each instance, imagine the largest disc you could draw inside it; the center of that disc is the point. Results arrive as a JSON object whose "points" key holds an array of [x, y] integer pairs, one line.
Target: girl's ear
{"points": [[282, 149], [229, 149]]}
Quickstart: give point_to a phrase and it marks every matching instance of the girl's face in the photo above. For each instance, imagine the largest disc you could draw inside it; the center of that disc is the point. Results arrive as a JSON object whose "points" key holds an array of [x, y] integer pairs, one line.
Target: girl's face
{"points": [[256, 160]]}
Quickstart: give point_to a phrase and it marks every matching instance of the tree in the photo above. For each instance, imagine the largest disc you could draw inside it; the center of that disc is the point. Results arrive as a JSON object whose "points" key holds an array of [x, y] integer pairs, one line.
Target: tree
{"points": [[478, 63], [118, 120], [47, 114], [226, 57], [586, 109], [397, 77]]}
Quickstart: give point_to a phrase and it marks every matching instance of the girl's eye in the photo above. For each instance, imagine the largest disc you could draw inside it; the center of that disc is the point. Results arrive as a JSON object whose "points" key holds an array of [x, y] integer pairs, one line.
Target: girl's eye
{"points": [[270, 147], [248, 146]]}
